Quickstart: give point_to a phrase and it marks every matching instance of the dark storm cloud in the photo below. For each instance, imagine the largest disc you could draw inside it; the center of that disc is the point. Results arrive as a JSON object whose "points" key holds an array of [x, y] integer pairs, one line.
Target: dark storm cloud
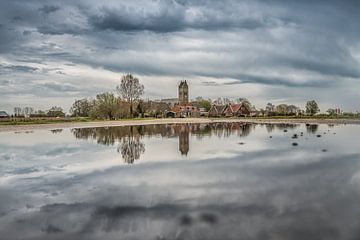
{"points": [[123, 19], [292, 44], [170, 16]]}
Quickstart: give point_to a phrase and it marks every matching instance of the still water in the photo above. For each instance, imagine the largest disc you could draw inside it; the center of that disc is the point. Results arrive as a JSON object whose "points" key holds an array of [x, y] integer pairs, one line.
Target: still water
{"points": [[182, 181]]}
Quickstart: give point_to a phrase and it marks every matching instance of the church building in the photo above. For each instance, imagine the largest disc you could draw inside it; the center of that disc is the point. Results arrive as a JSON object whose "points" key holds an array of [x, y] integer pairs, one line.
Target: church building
{"points": [[184, 108]]}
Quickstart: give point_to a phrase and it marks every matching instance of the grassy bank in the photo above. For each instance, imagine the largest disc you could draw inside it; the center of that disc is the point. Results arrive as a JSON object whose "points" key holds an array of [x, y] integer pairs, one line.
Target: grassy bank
{"points": [[28, 121]]}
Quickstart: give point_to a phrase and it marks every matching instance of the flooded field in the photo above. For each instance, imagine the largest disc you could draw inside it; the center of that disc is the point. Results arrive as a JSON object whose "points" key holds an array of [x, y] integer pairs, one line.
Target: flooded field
{"points": [[182, 181]]}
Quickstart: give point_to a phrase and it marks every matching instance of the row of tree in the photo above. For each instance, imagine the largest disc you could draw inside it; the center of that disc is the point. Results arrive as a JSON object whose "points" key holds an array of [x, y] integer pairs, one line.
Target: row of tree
{"points": [[30, 112], [311, 108]]}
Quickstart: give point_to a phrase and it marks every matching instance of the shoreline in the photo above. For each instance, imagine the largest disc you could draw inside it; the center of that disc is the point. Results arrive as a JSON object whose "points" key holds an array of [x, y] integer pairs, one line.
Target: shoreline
{"points": [[52, 126]]}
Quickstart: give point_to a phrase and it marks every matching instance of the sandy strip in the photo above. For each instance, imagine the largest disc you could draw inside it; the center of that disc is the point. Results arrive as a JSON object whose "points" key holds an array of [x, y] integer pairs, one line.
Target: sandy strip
{"points": [[51, 126]]}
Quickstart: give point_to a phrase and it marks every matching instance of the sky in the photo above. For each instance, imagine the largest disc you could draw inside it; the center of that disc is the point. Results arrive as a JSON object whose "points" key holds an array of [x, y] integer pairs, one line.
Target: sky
{"points": [[279, 51]]}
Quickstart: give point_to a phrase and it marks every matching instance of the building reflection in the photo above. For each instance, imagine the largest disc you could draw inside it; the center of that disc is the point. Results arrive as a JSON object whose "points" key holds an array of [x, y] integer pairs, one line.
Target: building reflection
{"points": [[184, 140], [129, 139]]}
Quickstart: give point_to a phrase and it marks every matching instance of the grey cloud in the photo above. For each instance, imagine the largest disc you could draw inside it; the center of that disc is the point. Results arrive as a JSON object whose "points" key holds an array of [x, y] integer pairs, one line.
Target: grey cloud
{"points": [[49, 9], [170, 16], [59, 87], [279, 81], [288, 209], [17, 68], [60, 29]]}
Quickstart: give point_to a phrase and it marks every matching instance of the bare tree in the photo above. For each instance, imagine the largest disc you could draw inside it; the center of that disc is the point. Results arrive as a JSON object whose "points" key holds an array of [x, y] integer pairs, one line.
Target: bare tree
{"points": [[28, 111], [17, 111], [130, 89]]}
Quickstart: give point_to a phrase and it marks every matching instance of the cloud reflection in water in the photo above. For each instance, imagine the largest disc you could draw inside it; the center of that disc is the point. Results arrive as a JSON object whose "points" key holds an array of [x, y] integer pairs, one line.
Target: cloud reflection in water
{"points": [[270, 192]]}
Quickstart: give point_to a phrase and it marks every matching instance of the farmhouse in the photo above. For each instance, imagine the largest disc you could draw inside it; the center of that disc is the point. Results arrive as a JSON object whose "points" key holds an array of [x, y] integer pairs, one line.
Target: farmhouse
{"points": [[217, 110], [3, 114], [236, 110]]}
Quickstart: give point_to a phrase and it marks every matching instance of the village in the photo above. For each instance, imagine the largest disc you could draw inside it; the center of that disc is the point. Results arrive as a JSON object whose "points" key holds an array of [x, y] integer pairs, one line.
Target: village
{"points": [[182, 107], [131, 105]]}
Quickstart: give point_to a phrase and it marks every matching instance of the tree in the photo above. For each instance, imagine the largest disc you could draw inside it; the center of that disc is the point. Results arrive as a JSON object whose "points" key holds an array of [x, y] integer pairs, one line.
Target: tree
{"points": [[281, 109], [39, 113], [270, 109], [130, 89], [140, 108], [245, 102], [55, 112], [331, 111], [227, 101], [17, 111], [106, 105], [219, 101], [81, 108], [28, 111], [199, 99], [205, 104], [312, 107], [292, 110]]}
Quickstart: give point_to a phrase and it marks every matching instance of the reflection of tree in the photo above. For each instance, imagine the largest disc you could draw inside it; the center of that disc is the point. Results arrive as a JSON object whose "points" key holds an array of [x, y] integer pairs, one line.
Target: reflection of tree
{"points": [[128, 137], [56, 131], [312, 128], [283, 126], [270, 127], [131, 148]]}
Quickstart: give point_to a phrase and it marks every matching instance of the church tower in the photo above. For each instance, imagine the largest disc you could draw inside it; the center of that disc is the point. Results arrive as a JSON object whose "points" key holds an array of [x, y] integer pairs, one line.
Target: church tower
{"points": [[183, 93]]}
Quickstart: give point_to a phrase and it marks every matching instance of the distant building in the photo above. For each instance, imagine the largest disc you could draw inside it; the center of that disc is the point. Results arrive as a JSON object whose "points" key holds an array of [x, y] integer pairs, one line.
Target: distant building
{"points": [[3, 114], [170, 101], [183, 92], [155, 109], [229, 110], [184, 108]]}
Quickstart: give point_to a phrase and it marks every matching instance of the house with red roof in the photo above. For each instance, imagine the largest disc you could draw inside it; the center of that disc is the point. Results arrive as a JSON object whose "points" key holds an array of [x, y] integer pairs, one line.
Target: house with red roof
{"points": [[236, 110]]}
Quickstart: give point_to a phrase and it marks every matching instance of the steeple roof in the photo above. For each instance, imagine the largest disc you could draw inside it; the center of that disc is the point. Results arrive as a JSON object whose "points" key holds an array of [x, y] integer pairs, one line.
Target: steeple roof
{"points": [[183, 83]]}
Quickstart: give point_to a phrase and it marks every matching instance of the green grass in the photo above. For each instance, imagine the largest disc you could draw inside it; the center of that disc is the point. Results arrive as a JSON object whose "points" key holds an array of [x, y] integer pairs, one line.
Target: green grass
{"points": [[27, 121]]}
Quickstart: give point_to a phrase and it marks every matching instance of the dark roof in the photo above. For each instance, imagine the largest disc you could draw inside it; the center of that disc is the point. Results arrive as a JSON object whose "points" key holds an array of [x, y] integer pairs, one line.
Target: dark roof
{"points": [[219, 108], [3, 114]]}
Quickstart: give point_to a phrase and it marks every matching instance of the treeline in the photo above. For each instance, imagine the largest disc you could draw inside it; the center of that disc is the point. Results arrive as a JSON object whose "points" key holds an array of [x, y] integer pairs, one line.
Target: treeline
{"points": [[27, 112], [311, 108]]}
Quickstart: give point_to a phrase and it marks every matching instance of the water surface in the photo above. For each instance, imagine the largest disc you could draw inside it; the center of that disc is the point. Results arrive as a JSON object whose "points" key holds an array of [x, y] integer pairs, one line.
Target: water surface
{"points": [[182, 181]]}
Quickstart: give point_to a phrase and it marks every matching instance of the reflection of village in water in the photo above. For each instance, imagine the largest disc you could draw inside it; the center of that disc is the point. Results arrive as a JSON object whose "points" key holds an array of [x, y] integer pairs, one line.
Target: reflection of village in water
{"points": [[131, 146]]}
